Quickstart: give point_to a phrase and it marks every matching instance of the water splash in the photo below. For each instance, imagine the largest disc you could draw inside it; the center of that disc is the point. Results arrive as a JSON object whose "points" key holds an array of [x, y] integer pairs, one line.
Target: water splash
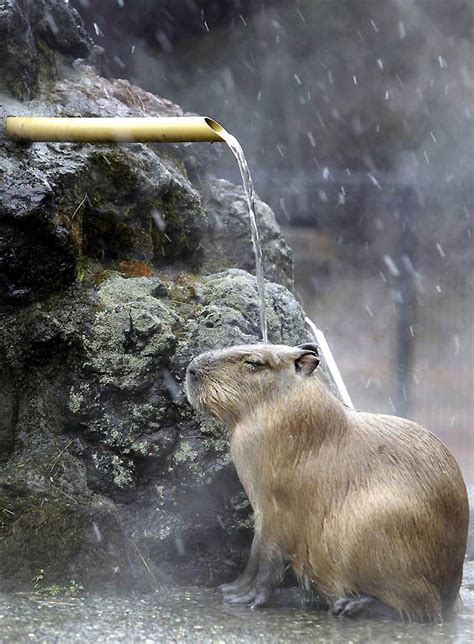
{"points": [[331, 363], [237, 151]]}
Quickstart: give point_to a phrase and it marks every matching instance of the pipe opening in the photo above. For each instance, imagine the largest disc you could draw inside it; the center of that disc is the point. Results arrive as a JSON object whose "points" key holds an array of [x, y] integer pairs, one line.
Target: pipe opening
{"points": [[215, 126]]}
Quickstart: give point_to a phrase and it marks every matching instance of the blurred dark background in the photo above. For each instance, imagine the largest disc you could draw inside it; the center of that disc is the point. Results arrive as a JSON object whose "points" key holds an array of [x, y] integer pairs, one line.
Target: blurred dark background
{"points": [[356, 117]]}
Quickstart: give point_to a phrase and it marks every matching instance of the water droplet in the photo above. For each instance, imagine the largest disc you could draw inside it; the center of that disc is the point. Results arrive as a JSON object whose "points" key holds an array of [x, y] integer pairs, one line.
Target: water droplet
{"points": [[171, 385], [97, 533], [159, 221], [180, 546], [303, 19], [457, 344], [374, 180]]}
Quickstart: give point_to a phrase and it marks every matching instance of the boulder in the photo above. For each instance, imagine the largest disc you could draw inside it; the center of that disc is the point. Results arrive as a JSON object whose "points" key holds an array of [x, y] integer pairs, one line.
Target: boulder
{"points": [[118, 264]]}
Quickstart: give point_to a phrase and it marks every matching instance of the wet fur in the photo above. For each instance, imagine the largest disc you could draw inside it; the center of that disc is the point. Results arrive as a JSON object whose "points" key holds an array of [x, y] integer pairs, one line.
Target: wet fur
{"points": [[359, 505]]}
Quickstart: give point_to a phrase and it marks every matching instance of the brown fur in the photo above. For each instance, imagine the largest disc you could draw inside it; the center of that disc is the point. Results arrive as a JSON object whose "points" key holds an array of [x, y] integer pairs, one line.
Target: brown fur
{"points": [[358, 504]]}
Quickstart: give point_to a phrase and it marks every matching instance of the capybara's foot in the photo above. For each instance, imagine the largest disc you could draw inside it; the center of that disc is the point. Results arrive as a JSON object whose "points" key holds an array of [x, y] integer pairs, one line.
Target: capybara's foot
{"points": [[243, 598], [362, 607], [240, 586], [262, 596], [256, 592], [350, 606], [231, 588], [254, 596]]}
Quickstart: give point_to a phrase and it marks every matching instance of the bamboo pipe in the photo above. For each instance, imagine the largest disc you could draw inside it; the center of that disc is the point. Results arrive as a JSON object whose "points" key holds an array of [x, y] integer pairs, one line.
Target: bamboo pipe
{"points": [[175, 129]]}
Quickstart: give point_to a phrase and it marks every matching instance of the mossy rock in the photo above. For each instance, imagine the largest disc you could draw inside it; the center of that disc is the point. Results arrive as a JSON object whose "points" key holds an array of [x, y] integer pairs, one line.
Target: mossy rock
{"points": [[108, 289], [67, 540]]}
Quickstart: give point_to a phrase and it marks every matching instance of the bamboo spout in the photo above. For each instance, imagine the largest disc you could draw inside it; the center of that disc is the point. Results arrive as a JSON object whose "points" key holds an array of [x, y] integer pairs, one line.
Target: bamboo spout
{"points": [[177, 129]]}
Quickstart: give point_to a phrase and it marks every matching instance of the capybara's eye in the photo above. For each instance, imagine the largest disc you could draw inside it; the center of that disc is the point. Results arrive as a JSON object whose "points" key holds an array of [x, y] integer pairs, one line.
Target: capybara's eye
{"points": [[253, 365]]}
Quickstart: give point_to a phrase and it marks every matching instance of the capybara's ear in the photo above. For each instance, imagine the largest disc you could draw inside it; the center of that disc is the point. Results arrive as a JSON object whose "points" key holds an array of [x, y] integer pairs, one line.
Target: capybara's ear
{"points": [[306, 362], [310, 346]]}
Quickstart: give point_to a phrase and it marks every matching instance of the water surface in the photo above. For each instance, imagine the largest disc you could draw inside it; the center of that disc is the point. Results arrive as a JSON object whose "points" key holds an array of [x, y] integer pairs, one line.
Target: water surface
{"points": [[197, 615]]}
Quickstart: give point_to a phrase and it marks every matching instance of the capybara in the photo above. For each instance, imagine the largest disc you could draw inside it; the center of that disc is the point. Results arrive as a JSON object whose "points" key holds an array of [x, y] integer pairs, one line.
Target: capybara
{"points": [[370, 510]]}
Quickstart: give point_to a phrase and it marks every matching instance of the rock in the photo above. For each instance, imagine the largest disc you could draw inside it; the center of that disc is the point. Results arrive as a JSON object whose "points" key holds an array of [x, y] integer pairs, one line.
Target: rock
{"points": [[7, 417], [142, 444], [103, 420], [70, 538], [117, 265], [229, 234], [35, 37], [62, 205]]}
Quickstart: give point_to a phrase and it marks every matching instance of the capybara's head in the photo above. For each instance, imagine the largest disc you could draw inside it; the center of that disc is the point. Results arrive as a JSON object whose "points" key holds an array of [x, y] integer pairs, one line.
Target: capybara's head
{"points": [[231, 382]]}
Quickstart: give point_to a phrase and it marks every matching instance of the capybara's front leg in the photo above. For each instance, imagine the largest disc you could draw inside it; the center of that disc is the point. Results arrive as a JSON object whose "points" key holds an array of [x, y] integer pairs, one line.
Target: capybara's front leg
{"points": [[271, 567], [245, 579]]}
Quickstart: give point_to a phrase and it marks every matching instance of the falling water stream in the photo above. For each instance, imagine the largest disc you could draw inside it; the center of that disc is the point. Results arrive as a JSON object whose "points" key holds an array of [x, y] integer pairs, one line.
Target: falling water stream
{"points": [[237, 151], [318, 335]]}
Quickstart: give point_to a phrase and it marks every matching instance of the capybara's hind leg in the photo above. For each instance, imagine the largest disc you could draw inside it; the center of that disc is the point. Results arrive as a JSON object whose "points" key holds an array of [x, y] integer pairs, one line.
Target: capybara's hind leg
{"points": [[362, 607]]}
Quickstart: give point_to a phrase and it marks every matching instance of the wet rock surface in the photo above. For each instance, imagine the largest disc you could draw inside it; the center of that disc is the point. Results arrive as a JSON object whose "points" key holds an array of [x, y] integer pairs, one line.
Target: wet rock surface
{"points": [[117, 265]]}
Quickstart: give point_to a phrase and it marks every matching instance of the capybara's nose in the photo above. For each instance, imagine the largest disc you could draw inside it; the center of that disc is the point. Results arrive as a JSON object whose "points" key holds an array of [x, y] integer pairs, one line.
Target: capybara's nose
{"points": [[193, 372]]}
